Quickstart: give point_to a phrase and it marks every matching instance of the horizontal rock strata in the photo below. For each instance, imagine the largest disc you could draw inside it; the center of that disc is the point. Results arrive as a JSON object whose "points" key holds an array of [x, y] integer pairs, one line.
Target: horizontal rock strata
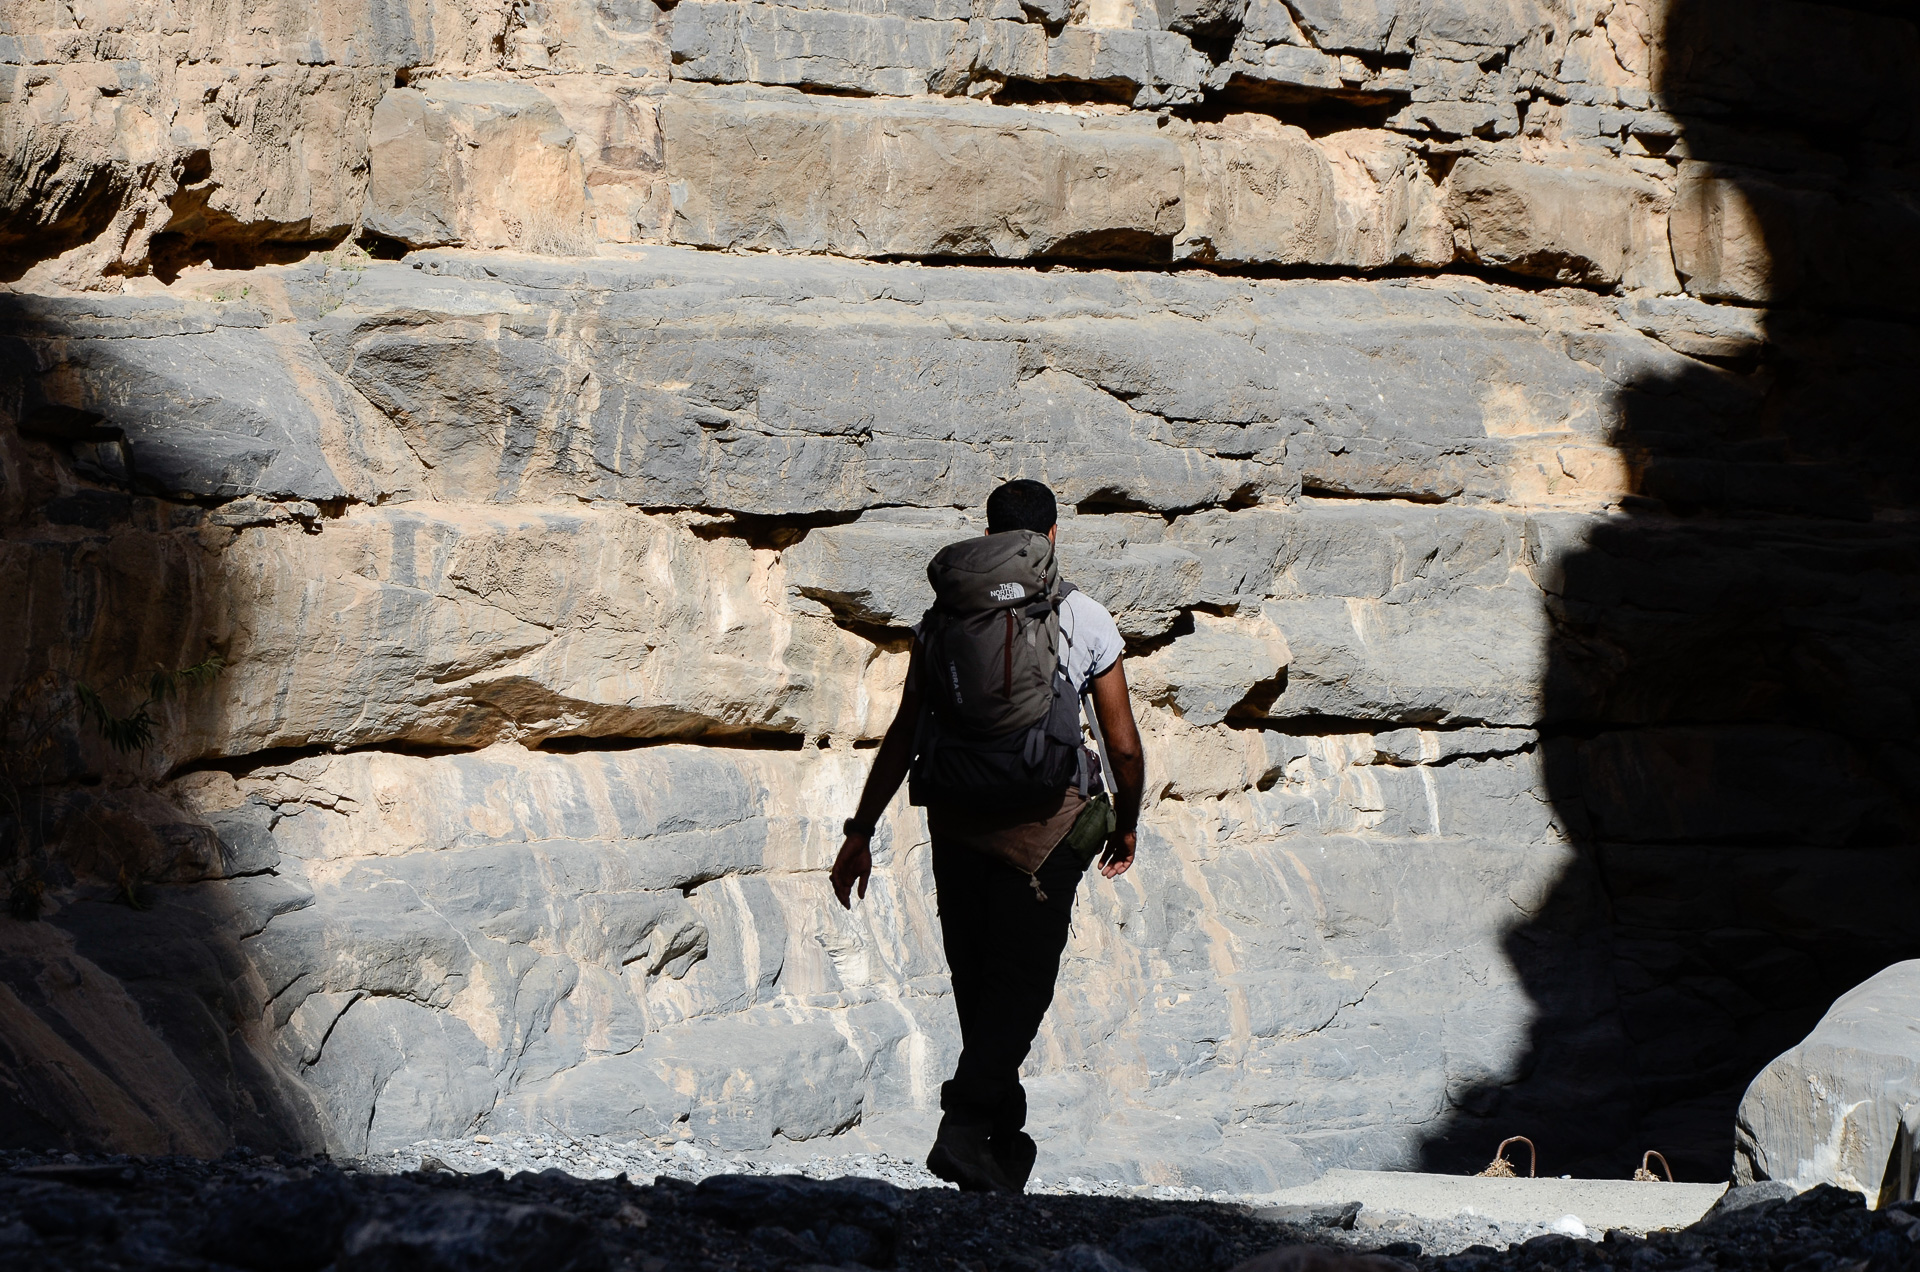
{"points": [[466, 475]]}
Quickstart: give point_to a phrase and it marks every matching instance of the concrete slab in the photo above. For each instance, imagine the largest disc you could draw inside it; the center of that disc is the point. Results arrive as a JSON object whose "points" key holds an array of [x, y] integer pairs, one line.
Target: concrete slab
{"points": [[1599, 1204]]}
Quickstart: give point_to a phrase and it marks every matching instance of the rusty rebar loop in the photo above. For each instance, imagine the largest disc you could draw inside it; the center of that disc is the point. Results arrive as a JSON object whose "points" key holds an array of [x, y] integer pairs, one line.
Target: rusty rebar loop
{"points": [[1645, 1173], [1501, 1168]]}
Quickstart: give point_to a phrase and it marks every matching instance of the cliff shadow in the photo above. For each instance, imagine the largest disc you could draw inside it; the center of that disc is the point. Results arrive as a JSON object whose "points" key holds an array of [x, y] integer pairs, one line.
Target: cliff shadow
{"points": [[130, 1016], [1729, 702]]}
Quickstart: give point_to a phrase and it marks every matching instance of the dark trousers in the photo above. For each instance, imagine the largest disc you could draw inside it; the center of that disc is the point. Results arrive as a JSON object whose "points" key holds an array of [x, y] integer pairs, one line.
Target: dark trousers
{"points": [[1003, 946]]}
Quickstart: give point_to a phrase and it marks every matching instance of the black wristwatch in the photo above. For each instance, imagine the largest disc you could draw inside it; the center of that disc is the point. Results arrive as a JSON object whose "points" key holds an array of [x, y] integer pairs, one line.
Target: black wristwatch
{"points": [[855, 826]]}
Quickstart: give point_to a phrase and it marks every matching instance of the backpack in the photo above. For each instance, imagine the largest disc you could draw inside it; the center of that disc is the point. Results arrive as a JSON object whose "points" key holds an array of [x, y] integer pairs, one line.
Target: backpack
{"points": [[1001, 724]]}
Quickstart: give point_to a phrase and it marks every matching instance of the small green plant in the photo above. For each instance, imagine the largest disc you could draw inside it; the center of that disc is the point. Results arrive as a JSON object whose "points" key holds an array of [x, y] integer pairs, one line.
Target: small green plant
{"points": [[30, 722], [134, 730], [344, 266]]}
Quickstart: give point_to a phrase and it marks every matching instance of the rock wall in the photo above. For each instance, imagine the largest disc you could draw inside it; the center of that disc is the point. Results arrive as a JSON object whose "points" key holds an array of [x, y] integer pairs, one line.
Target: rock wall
{"points": [[1489, 422]]}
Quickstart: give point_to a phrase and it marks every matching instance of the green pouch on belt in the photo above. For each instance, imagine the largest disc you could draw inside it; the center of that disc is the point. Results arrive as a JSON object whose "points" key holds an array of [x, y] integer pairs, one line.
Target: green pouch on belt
{"points": [[1090, 830]]}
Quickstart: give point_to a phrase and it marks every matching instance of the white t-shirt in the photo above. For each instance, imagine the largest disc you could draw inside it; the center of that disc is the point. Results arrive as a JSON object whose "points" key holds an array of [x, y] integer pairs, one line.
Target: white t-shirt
{"points": [[1089, 639]]}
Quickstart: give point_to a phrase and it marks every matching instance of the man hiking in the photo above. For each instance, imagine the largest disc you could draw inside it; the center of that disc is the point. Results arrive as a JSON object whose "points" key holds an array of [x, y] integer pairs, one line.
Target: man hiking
{"points": [[989, 730]]}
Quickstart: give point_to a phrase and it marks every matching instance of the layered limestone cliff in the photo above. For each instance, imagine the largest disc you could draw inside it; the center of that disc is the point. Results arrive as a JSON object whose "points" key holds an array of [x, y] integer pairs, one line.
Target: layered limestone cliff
{"points": [[1489, 422]]}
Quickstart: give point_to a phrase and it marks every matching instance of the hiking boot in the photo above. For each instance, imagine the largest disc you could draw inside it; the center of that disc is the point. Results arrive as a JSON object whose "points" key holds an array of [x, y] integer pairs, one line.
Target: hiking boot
{"points": [[1013, 1153], [963, 1155]]}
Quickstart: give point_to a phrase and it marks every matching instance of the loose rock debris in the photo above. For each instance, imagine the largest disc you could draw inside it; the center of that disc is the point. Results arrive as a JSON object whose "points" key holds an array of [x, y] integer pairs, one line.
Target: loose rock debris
{"points": [[270, 1214]]}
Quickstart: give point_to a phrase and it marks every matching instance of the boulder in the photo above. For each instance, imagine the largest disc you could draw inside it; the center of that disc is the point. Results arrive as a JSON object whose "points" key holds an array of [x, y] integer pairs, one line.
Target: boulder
{"points": [[1756, 237], [595, 42], [1210, 671], [1843, 1107], [1146, 68], [1731, 236], [902, 50], [273, 155], [616, 133], [1589, 226], [1261, 191], [480, 163], [1205, 18], [800, 173]]}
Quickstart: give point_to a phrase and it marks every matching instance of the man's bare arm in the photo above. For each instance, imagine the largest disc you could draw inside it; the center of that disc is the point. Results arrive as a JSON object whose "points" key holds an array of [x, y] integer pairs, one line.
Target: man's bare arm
{"points": [[890, 765], [1114, 710]]}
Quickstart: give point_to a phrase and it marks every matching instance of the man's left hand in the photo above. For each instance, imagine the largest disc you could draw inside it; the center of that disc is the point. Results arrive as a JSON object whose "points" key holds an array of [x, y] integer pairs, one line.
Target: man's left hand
{"points": [[1118, 855], [854, 865]]}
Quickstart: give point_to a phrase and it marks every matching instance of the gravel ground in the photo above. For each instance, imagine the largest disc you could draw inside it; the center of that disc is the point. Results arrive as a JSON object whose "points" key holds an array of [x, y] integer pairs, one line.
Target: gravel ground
{"points": [[597, 1157], [644, 1161], [597, 1210]]}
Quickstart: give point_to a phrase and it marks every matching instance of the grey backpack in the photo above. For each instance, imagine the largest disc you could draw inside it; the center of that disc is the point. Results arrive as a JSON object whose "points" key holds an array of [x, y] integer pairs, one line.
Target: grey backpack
{"points": [[1002, 722]]}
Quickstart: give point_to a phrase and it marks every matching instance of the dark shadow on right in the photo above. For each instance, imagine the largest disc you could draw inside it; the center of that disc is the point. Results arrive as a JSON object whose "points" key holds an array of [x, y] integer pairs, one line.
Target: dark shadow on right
{"points": [[1730, 728]]}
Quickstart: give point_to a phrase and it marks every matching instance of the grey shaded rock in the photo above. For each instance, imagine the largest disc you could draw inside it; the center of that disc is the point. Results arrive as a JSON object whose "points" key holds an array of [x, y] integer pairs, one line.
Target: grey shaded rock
{"points": [[1082, 1257], [702, 394], [190, 399], [1695, 329], [298, 1225], [853, 1220], [904, 51], [1210, 671], [1837, 1108], [1384, 26], [246, 839], [919, 48], [1319, 1258], [1476, 657], [1264, 194], [611, 1095], [252, 511], [1259, 190], [1296, 68], [451, 1233], [755, 1077], [394, 1071], [1744, 1197], [1214, 18], [1312, 1216], [1162, 67], [1459, 119], [874, 570], [1170, 1243]]}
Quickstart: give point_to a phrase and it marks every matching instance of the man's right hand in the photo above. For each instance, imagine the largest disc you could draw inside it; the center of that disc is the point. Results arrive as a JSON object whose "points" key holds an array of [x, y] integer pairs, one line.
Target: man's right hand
{"points": [[1118, 856], [854, 864]]}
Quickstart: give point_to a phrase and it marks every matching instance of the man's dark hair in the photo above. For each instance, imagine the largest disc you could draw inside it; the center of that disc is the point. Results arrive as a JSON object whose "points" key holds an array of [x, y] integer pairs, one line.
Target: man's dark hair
{"points": [[1021, 504]]}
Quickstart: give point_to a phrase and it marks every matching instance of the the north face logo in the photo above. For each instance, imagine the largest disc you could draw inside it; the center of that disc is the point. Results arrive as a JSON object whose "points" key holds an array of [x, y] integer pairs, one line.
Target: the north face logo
{"points": [[1008, 592]]}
